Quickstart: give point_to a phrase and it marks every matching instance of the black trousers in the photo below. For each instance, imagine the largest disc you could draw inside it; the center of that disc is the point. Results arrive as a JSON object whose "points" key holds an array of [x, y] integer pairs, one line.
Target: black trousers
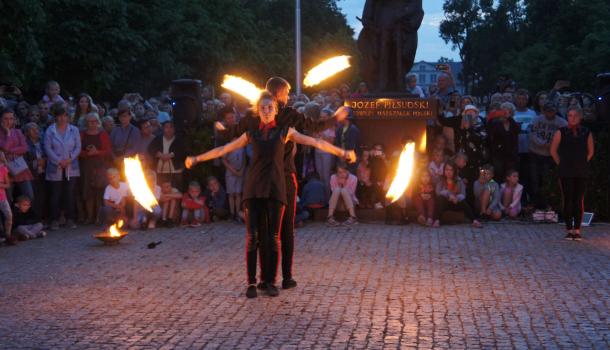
{"points": [[443, 204], [263, 220], [287, 233], [573, 192]]}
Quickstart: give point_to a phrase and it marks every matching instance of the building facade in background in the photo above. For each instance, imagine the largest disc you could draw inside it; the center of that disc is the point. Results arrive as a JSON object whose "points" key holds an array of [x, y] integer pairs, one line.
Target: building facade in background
{"points": [[427, 74]]}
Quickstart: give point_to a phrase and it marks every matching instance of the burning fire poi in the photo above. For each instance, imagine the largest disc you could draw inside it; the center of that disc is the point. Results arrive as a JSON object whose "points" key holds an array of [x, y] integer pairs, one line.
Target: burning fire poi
{"points": [[404, 173], [138, 185], [242, 87], [326, 70]]}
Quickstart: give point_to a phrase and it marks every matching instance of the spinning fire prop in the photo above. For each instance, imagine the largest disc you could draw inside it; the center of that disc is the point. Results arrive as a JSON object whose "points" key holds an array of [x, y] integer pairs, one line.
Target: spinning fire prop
{"points": [[401, 180], [326, 70], [242, 87]]}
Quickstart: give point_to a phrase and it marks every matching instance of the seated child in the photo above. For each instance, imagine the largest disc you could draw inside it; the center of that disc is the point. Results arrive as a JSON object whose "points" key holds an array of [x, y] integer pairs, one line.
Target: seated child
{"points": [[194, 207], [511, 195], [365, 185], [487, 194], [313, 196], [27, 224], [116, 196], [142, 217], [435, 168], [451, 194], [5, 207], [168, 200], [423, 199], [216, 199], [342, 186]]}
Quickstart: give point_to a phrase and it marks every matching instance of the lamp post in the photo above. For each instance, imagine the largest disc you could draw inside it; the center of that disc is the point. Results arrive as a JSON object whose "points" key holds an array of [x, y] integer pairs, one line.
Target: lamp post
{"points": [[297, 30]]}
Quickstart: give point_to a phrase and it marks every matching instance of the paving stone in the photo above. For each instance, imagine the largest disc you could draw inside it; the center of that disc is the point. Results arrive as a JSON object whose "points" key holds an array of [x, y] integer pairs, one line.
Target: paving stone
{"points": [[370, 286]]}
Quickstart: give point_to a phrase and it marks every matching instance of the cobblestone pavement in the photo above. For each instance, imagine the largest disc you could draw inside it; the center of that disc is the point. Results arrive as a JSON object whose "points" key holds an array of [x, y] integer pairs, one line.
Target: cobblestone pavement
{"points": [[372, 286]]}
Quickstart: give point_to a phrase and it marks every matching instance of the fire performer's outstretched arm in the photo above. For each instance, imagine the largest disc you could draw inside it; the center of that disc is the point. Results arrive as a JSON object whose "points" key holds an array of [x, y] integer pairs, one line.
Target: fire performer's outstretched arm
{"points": [[217, 152], [322, 145]]}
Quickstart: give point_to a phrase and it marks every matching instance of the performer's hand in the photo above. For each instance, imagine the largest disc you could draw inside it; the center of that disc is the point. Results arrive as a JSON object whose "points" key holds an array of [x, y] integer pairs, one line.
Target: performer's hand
{"points": [[218, 126], [189, 162], [350, 156]]}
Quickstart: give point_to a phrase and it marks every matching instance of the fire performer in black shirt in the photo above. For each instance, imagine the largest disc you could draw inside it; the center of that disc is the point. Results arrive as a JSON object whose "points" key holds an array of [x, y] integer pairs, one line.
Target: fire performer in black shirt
{"points": [[287, 116], [264, 193]]}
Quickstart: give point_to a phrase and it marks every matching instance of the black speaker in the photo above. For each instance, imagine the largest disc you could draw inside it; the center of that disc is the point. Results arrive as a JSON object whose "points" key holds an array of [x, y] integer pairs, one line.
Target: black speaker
{"points": [[186, 101], [602, 97]]}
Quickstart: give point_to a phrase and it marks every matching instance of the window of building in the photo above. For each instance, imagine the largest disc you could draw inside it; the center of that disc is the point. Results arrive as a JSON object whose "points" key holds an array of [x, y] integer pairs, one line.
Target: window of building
{"points": [[433, 77], [422, 79]]}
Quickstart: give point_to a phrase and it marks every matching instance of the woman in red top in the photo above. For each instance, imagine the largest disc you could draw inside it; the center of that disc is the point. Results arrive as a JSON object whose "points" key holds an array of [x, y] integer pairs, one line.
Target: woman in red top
{"points": [[94, 160]]}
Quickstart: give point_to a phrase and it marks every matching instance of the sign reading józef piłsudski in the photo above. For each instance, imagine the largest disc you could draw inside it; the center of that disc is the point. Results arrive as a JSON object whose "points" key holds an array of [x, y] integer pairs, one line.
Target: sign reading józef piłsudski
{"points": [[393, 108]]}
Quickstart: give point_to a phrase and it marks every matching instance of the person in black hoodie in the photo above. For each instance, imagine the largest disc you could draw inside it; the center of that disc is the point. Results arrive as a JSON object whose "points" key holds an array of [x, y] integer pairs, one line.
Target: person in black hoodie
{"points": [[26, 222], [503, 139]]}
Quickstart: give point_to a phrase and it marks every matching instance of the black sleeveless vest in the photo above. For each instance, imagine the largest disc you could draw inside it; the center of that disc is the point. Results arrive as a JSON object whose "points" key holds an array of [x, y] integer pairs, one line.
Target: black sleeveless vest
{"points": [[265, 176]]}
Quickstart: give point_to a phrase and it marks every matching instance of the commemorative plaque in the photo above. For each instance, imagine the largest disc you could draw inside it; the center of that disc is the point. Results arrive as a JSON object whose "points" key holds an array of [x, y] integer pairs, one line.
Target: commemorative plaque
{"points": [[390, 121]]}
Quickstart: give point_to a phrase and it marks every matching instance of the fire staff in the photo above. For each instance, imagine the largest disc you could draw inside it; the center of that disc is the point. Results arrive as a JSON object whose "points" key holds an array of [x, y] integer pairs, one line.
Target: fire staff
{"points": [[279, 88], [265, 187]]}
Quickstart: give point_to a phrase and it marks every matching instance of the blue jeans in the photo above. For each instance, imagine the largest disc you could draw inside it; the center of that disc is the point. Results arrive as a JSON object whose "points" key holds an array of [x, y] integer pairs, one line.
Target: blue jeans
{"points": [[62, 195]]}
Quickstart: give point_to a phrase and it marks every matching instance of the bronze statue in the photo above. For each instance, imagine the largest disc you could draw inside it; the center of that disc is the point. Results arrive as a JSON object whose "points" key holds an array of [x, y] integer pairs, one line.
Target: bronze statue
{"points": [[388, 42]]}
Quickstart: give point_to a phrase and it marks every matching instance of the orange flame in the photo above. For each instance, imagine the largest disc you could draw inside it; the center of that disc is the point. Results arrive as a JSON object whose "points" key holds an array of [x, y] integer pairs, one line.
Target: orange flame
{"points": [[422, 143], [137, 183], [242, 87], [326, 70], [403, 173], [114, 229]]}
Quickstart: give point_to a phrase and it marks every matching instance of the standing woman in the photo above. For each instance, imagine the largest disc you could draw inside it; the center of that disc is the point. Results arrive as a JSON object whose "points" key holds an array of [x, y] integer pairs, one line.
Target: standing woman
{"points": [[94, 158], [572, 148], [14, 146], [265, 187], [62, 145]]}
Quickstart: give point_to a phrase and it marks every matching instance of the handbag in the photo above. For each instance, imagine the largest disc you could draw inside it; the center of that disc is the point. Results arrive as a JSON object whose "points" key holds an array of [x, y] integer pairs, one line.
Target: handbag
{"points": [[17, 166]]}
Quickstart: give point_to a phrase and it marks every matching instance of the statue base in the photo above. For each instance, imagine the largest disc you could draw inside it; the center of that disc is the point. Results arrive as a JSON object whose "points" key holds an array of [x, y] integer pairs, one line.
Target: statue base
{"points": [[392, 119]]}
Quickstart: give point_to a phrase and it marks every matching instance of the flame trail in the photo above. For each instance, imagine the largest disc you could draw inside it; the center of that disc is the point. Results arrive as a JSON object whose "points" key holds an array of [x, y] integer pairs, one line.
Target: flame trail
{"points": [[242, 87], [138, 185], [326, 70], [401, 180]]}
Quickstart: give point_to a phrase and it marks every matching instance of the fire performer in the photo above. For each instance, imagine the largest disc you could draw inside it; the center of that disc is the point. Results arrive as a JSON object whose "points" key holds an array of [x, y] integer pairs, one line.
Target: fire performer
{"points": [[265, 187], [279, 88]]}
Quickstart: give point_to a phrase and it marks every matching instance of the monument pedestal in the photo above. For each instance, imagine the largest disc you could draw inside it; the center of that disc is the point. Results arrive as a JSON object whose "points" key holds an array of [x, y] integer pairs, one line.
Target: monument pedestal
{"points": [[392, 119]]}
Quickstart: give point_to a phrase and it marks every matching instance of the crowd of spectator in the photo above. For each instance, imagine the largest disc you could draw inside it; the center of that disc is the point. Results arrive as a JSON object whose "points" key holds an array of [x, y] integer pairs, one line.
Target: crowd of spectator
{"points": [[61, 160]]}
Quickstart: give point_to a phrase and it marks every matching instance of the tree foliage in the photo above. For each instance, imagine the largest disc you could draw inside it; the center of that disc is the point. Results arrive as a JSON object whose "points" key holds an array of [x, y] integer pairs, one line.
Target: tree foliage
{"points": [[535, 41], [112, 46]]}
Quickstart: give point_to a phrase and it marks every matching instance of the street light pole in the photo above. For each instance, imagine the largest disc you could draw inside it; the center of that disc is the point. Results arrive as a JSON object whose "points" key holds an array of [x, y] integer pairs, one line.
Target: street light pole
{"points": [[297, 29]]}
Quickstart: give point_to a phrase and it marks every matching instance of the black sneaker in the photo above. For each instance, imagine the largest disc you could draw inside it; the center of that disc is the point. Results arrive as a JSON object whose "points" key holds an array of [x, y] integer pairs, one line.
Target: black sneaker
{"points": [[577, 236], [569, 236], [272, 290], [261, 286], [251, 292], [289, 283]]}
